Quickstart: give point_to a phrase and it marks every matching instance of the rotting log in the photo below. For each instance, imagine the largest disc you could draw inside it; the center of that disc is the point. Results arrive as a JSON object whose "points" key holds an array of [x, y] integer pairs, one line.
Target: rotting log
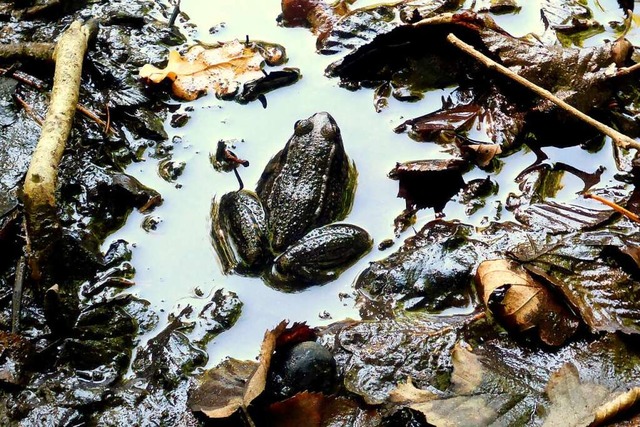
{"points": [[43, 228]]}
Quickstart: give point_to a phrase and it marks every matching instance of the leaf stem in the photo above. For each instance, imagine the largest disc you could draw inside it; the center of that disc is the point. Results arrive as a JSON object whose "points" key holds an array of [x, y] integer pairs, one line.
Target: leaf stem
{"points": [[616, 207]]}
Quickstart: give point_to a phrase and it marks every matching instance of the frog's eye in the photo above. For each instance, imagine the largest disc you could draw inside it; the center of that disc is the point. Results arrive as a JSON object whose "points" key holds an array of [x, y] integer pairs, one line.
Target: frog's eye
{"points": [[302, 126], [329, 131]]}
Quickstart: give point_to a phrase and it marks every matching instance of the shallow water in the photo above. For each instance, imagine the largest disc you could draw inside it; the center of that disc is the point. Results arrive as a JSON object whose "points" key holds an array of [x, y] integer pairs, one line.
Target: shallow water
{"points": [[177, 258]]}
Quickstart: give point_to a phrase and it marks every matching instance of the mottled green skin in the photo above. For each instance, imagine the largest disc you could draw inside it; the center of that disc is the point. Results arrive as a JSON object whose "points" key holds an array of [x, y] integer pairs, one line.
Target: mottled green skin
{"points": [[309, 183], [240, 231], [323, 253]]}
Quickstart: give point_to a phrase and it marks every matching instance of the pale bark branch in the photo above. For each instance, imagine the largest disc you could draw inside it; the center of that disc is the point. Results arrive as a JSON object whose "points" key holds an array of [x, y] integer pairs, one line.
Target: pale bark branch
{"points": [[618, 138], [42, 176]]}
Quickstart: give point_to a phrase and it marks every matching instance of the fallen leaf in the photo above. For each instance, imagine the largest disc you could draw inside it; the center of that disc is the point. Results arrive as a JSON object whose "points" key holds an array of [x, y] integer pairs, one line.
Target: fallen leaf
{"points": [[222, 388], [297, 333], [474, 398], [315, 14], [233, 385], [375, 355], [223, 68], [500, 383], [523, 303], [591, 271], [316, 410], [259, 379], [483, 153], [428, 183], [16, 353], [575, 403]]}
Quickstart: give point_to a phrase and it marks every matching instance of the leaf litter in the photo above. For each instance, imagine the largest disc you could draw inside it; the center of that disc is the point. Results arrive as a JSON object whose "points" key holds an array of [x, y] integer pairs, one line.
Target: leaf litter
{"points": [[545, 274]]}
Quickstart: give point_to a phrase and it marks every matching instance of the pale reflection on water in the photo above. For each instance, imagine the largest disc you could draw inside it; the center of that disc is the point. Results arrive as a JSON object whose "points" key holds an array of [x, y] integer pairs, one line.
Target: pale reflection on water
{"points": [[177, 258]]}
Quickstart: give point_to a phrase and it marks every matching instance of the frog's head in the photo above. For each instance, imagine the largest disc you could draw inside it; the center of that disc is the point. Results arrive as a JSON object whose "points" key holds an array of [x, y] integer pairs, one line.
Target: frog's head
{"points": [[320, 125]]}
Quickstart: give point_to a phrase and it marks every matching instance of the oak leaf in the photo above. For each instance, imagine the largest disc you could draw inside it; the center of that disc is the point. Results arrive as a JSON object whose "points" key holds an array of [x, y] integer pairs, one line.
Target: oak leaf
{"points": [[223, 68]]}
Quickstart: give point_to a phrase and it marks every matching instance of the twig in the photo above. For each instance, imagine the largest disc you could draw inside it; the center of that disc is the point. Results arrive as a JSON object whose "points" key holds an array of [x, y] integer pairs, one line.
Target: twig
{"points": [[41, 51], [107, 126], [27, 109], [628, 70], [23, 78], [16, 299], [618, 138], [93, 116], [616, 207]]}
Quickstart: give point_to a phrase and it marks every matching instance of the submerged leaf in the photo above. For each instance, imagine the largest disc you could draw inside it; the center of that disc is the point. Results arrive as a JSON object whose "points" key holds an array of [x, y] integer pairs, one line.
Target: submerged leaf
{"points": [[575, 403], [522, 303], [223, 68], [499, 383], [585, 268], [476, 397]]}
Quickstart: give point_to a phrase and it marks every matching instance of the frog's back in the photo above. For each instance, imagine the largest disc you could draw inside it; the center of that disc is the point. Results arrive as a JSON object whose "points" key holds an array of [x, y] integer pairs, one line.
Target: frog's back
{"points": [[307, 184]]}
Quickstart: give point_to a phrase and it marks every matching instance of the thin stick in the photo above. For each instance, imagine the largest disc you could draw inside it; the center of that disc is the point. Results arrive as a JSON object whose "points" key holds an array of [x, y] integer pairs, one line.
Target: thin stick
{"points": [[27, 109], [618, 138], [107, 126], [616, 207], [16, 300], [23, 77], [90, 114]]}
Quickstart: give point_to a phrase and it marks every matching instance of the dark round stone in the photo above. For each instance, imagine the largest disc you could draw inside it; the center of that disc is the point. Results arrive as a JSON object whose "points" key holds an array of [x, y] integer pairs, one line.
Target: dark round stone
{"points": [[304, 366]]}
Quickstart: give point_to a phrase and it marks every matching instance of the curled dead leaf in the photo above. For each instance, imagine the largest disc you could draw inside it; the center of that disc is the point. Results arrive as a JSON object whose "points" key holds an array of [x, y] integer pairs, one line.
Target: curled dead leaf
{"points": [[483, 153], [523, 303], [223, 68]]}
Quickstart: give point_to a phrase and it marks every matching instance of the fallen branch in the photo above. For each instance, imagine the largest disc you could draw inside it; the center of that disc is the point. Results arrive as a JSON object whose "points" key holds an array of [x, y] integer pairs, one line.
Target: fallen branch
{"points": [[618, 138], [41, 51], [42, 176]]}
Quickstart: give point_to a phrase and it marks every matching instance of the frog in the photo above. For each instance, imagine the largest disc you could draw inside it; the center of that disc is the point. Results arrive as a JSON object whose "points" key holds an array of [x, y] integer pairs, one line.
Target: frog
{"points": [[288, 230]]}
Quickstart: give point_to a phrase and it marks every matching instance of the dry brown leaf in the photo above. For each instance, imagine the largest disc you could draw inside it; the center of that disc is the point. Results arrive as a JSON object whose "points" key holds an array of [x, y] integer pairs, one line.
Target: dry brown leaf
{"points": [[484, 153], [259, 379], [618, 405], [575, 403], [223, 68], [465, 404], [523, 303], [408, 393], [233, 384], [222, 389]]}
